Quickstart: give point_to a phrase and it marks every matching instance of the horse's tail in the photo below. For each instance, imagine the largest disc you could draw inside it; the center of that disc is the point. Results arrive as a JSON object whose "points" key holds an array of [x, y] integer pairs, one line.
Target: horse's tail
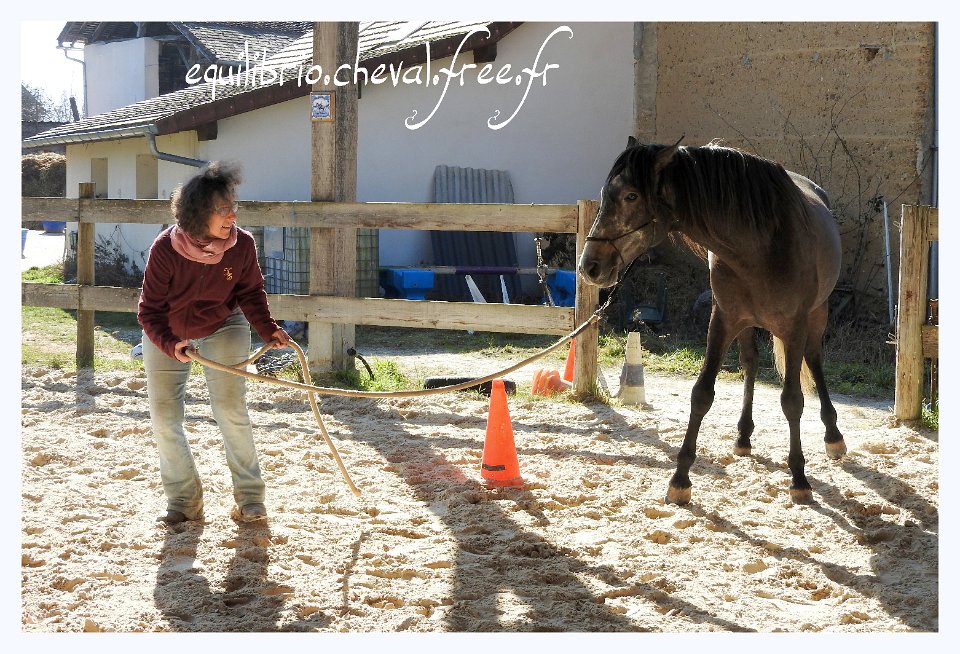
{"points": [[806, 377]]}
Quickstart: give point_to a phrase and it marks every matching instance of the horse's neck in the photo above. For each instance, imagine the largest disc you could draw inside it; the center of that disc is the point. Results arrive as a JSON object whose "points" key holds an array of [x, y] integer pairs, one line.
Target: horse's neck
{"points": [[710, 240], [735, 254]]}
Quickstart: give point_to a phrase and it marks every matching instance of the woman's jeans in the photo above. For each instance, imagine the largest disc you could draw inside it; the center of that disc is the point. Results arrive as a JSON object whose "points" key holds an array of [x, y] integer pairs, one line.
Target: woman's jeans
{"points": [[166, 389]]}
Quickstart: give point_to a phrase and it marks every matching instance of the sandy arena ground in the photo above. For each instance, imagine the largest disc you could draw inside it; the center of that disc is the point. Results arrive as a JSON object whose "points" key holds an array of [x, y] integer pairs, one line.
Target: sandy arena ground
{"points": [[586, 546]]}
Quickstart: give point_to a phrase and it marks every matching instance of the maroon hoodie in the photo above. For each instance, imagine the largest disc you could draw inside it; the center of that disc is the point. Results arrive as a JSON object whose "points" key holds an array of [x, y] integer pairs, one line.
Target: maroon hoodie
{"points": [[182, 299]]}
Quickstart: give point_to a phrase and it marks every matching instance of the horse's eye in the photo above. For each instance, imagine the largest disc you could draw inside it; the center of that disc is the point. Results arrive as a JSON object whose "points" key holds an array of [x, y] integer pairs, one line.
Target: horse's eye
{"points": [[631, 197]]}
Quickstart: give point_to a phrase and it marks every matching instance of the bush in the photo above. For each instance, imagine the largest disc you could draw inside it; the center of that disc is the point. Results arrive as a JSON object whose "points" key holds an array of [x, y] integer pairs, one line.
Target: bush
{"points": [[111, 267]]}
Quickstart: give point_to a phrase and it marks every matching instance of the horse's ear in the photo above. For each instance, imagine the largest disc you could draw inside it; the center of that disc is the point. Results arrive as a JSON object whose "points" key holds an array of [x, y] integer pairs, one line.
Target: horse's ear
{"points": [[665, 156], [631, 141]]}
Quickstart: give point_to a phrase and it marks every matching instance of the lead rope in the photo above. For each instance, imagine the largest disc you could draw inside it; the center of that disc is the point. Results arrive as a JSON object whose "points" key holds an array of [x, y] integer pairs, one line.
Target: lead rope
{"points": [[312, 391]]}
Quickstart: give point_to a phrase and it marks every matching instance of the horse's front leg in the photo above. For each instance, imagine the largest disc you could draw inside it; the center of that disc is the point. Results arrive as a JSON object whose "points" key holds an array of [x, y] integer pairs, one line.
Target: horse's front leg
{"points": [[791, 400], [719, 337], [749, 359]]}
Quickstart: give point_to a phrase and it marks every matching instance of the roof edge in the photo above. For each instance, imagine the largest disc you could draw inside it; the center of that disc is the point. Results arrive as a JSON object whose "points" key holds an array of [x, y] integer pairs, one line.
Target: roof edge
{"points": [[114, 134]]}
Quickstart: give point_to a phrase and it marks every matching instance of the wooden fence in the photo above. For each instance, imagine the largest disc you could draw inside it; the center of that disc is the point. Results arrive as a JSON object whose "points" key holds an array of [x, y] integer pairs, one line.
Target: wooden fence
{"points": [[86, 297], [916, 340]]}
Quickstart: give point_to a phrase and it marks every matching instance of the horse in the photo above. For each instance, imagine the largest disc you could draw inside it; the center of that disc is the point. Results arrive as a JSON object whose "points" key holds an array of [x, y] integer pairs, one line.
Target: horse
{"points": [[773, 251]]}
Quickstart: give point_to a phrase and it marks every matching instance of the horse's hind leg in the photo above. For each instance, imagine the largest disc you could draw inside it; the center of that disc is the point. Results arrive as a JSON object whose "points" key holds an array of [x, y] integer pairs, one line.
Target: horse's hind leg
{"points": [[791, 400], [701, 399], [748, 362], [813, 355]]}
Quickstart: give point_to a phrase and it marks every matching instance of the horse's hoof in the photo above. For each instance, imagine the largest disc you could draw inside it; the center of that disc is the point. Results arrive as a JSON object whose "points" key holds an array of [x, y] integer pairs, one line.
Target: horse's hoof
{"points": [[801, 495], [678, 495], [836, 450], [739, 450]]}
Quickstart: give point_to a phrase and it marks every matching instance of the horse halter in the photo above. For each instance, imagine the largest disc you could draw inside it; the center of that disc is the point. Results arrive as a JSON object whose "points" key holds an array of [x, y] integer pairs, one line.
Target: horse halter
{"points": [[612, 240]]}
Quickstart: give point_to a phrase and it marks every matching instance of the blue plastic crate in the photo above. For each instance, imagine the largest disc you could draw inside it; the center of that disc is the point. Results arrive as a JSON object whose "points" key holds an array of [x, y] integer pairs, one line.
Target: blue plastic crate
{"points": [[563, 287], [407, 283]]}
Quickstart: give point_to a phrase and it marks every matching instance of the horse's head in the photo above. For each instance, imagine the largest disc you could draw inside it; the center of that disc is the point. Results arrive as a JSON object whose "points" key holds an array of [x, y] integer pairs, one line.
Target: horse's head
{"points": [[632, 217]]}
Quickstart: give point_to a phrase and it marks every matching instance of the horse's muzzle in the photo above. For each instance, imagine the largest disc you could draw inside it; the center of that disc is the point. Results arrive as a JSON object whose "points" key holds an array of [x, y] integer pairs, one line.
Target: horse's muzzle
{"points": [[599, 264]]}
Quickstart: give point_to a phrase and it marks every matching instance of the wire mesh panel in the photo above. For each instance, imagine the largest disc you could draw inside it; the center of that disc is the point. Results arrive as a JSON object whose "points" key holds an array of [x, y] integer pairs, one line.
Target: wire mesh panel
{"points": [[285, 260]]}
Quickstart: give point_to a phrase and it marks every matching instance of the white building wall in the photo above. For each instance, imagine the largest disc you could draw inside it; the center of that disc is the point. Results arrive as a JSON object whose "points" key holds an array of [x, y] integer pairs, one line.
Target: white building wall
{"points": [[120, 73], [131, 239], [273, 147], [558, 148]]}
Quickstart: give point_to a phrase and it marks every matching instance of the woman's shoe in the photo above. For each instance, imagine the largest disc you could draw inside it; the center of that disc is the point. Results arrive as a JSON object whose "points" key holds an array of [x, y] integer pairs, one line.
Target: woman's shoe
{"points": [[173, 517], [253, 512]]}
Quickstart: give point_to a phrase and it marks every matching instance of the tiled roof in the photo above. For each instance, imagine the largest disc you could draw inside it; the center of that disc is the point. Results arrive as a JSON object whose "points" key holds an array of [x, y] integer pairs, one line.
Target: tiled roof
{"points": [[208, 35], [95, 32], [174, 111], [223, 40], [379, 38], [384, 37]]}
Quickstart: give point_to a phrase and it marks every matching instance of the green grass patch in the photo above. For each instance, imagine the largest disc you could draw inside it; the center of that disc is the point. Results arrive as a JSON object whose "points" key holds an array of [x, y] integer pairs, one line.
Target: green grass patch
{"points": [[387, 377], [49, 338], [52, 274], [930, 416]]}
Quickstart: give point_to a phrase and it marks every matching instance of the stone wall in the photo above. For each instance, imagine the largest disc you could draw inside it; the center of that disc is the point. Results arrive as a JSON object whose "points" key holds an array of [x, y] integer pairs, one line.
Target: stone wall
{"points": [[850, 105]]}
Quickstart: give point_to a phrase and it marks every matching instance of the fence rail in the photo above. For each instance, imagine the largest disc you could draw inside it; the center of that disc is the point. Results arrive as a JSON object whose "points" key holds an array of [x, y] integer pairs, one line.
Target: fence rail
{"points": [[86, 297]]}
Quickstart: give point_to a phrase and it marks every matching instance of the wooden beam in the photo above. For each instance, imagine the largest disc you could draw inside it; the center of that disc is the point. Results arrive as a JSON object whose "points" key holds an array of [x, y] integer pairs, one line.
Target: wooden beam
{"points": [[233, 105], [559, 218], [333, 251], [506, 318], [60, 296], [85, 276], [485, 54], [586, 301], [911, 311], [207, 131], [34, 209]]}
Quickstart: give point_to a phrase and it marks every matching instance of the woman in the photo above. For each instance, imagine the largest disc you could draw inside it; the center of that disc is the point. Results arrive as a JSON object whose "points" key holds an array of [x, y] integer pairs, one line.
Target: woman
{"points": [[203, 289]]}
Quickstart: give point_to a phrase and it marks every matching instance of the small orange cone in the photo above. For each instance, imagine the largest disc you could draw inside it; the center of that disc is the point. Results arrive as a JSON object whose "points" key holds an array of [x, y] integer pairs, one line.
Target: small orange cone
{"points": [[500, 467], [548, 382], [568, 370], [537, 384]]}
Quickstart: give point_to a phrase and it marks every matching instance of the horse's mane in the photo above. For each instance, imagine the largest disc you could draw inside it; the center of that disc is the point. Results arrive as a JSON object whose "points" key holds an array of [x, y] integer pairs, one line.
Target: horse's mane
{"points": [[733, 196]]}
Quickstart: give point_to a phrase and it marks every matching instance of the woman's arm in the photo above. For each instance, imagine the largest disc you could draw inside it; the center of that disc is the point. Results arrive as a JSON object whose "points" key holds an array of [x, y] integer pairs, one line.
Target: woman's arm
{"points": [[153, 308]]}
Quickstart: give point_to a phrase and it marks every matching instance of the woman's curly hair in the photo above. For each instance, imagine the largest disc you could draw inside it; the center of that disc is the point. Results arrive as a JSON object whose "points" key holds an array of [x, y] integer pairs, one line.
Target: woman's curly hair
{"points": [[193, 202]]}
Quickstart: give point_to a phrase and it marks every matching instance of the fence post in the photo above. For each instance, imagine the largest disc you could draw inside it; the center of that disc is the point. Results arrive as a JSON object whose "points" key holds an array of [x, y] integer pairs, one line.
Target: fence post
{"points": [[333, 251], [85, 277], [911, 311], [586, 303]]}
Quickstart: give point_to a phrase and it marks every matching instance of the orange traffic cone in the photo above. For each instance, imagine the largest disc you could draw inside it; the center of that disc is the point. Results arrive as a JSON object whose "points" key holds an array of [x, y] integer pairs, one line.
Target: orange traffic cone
{"points": [[500, 466], [568, 370]]}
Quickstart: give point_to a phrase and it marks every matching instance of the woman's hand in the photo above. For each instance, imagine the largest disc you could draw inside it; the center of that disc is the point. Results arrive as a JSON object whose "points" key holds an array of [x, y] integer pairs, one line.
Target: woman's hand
{"points": [[178, 351], [280, 339]]}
